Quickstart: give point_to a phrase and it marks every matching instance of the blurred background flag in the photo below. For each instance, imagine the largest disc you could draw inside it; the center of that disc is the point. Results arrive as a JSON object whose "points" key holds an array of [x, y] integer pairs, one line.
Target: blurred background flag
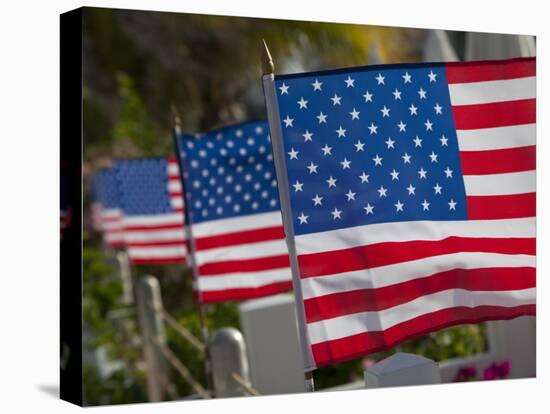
{"points": [[410, 199], [233, 210], [152, 205], [106, 212]]}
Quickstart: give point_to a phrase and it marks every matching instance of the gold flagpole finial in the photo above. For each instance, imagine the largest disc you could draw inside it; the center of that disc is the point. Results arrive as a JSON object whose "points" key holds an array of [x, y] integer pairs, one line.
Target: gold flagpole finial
{"points": [[267, 62]]}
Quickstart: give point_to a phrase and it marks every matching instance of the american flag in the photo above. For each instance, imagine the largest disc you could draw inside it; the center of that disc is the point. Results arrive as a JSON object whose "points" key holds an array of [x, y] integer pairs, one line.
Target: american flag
{"points": [[106, 212], [152, 204], [231, 193], [412, 195]]}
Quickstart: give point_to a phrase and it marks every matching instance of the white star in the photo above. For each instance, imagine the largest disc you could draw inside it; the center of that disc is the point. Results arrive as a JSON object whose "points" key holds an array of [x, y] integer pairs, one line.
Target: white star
{"points": [[438, 109], [406, 78], [336, 100], [368, 96], [411, 189], [331, 182], [349, 82], [298, 186], [425, 205], [293, 154], [336, 213], [422, 173], [307, 136], [385, 112], [302, 103], [303, 218], [448, 173], [437, 188], [433, 157], [377, 160], [350, 195], [369, 209], [382, 191], [364, 177], [345, 164], [406, 158], [258, 130], [312, 168], [284, 89], [397, 94], [326, 150], [402, 127], [452, 205], [444, 141], [399, 206], [322, 118], [317, 200], [373, 128], [380, 79], [316, 85], [359, 146], [429, 125], [422, 93], [354, 114], [413, 109], [417, 142], [288, 121], [394, 175], [341, 132], [432, 76], [389, 142]]}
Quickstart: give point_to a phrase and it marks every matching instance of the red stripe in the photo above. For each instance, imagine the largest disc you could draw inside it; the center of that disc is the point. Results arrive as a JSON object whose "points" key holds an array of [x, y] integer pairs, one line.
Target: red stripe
{"points": [[157, 243], [465, 72], [115, 244], [111, 219], [498, 161], [381, 254], [367, 300], [247, 265], [154, 227], [495, 114], [158, 260], [501, 207], [242, 237], [176, 194], [245, 293], [356, 346]]}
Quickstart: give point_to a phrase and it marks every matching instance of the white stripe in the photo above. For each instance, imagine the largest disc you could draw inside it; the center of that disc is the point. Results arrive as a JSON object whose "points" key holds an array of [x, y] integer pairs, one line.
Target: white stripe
{"points": [[243, 280], [111, 213], [176, 202], [473, 93], [113, 237], [381, 276], [153, 219], [497, 138], [154, 235], [357, 323], [236, 224], [157, 252], [501, 184], [173, 169], [412, 230], [174, 186], [242, 252]]}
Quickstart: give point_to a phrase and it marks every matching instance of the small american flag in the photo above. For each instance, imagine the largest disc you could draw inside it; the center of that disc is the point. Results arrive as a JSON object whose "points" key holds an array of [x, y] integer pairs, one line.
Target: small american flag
{"points": [[412, 195], [233, 203], [152, 204], [106, 212]]}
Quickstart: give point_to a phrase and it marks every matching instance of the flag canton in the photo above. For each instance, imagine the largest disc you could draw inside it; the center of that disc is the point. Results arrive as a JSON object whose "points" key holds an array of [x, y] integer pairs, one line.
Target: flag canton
{"points": [[229, 172], [370, 146], [144, 186], [106, 189]]}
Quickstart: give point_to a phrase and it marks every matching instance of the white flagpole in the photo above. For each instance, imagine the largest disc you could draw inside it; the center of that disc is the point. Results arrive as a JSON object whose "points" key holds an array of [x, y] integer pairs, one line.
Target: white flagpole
{"points": [[191, 249], [273, 117]]}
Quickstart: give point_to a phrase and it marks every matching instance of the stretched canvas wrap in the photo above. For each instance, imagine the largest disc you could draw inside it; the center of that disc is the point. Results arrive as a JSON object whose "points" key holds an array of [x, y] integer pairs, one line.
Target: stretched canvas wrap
{"points": [[254, 206]]}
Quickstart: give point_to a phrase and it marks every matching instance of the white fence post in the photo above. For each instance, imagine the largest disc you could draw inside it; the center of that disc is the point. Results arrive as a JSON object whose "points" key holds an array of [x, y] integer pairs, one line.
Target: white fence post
{"points": [[149, 307], [402, 369], [126, 277]]}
